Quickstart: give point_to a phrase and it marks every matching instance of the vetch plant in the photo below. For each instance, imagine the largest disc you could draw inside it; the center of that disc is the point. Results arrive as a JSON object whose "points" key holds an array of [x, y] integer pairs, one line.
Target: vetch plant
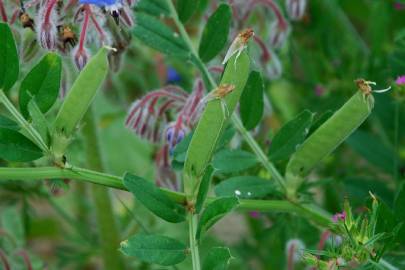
{"points": [[216, 101]]}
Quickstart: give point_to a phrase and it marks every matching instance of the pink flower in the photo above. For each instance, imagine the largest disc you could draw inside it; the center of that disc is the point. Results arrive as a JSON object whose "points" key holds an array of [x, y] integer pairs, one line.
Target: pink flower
{"points": [[149, 118], [400, 80], [80, 57], [319, 90], [399, 6], [47, 31], [339, 216], [254, 214]]}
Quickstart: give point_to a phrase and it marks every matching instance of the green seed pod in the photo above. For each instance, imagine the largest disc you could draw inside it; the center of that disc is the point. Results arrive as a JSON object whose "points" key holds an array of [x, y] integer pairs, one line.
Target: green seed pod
{"points": [[78, 101], [327, 137], [212, 121]]}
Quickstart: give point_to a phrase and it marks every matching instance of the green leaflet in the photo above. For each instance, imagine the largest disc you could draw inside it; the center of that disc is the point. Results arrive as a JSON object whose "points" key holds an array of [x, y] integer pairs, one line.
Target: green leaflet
{"points": [[39, 121], [327, 137], [218, 258], [156, 8], [399, 203], [214, 212], [6, 122], [186, 9], [154, 33], [203, 189], [380, 155], [16, 147], [212, 122], [9, 67], [251, 101], [154, 199], [215, 33], [290, 136], [82, 93], [155, 249], [245, 187], [232, 161], [41, 84]]}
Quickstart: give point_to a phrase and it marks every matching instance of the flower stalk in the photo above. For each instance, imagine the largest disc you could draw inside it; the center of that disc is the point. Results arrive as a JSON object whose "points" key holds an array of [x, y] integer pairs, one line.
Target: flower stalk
{"points": [[107, 226]]}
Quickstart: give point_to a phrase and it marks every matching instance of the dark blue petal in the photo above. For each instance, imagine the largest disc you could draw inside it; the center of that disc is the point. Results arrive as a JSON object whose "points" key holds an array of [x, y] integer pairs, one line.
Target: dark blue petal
{"points": [[180, 136], [99, 2], [169, 134], [173, 76]]}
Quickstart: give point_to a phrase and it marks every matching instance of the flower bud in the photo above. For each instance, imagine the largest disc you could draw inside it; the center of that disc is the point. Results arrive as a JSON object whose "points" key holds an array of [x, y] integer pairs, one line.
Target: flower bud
{"points": [[80, 57], [47, 34], [175, 133], [295, 250], [296, 9], [279, 31], [47, 30]]}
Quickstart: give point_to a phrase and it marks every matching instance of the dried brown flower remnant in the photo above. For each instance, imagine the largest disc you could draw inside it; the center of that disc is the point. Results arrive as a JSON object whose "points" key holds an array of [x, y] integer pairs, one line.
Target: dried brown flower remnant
{"points": [[364, 86], [239, 44], [245, 35], [223, 90]]}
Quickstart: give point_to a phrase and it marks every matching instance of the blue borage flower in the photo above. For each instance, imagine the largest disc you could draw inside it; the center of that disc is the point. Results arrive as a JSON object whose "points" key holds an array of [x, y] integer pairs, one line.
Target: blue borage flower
{"points": [[112, 6], [100, 2]]}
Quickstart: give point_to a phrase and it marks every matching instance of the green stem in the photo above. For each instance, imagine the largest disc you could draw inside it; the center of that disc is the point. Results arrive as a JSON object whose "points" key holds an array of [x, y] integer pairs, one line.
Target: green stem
{"points": [[396, 144], [387, 265], [258, 151], [108, 231], [33, 134], [235, 119], [79, 174], [192, 228]]}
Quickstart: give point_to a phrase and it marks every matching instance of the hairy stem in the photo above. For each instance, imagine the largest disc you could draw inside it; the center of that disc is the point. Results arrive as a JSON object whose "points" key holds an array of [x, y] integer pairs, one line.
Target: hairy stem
{"points": [[33, 134], [108, 231]]}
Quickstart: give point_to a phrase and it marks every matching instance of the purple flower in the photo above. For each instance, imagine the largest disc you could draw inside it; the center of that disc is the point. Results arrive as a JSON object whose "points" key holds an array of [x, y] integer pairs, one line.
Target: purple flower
{"points": [[254, 214], [400, 80], [399, 6], [319, 90], [339, 216]]}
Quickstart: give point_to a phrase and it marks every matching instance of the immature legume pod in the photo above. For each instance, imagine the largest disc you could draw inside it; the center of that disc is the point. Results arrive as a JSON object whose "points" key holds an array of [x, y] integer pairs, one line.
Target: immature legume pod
{"points": [[77, 102], [82, 93], [327, 137], [212, 122]]}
